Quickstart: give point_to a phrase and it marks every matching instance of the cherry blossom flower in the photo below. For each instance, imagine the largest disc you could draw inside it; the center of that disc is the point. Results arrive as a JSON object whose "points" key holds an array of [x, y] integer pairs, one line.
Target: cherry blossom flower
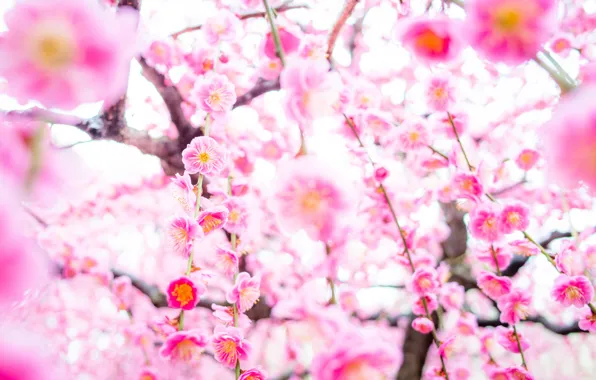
{"points": [[290, 43], [213, 219], [440, 92], [424, 281], [238, 215], [184, 294], [204, 156], [494, 255], [215, 94], [253, 374], [514, 306], [468, 186], [573, 124], [413, 134], [182, 232], [523, 248], [184, 346], [569, 261], [225, 315], [423, 325], [484, 223], [431, 303], [227, 261], [447, 346], [587, 321], [433, 40], [245, 292], [148, 374], [452, 296], [160, 53], [506, 338], [509, 31], [312, 195], [223, 26], [514, 217], [492, 285], [230, 346], [561, 44], [45, 55], [575, 290], [518, 373], [183, 192], [311, 90], [527, 159]]}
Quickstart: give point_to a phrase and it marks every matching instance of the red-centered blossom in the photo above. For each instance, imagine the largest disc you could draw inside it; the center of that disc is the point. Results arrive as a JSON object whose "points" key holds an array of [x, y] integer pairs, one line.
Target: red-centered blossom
{"points": [[484, 223], [245, 292], [573, 124], [433, 40], [213, 219], [447, 347], [494, 255], [527, 159], [518, 373], [215, 94], [514, 217], [431, 304], [575, 290], [467, 186], [184, 346], [230, 346], [148, 374], [440, 92], [253, 374], [423, 325], [182, 232], [290, 43], [204, 156], [492, 285], [227, 260], [587, 321], [514, 306], [238, 215], [510, 31], [424, 281], [184, 294], [47, 56], [506, 338]]}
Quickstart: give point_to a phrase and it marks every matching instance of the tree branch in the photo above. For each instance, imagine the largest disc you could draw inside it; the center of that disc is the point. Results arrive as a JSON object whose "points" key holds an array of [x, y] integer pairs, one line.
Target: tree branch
{"points": [[415, 350], [343, 17], [561, 330], [261, 87]]}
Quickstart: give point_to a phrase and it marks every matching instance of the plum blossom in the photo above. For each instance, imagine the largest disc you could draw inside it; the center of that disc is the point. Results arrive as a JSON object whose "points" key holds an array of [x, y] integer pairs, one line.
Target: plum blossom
{"points": [[182, 232], [183, 293], [433, 40], [509, 31], [496, 256], [253, 374], [245, 292], [527, 159], [225, 315], [213, 219], [423, 325], [205, 156], [447, 347], [238, 215], [514, 217], [484, 223], [440, 92], [184, 193], [186, 346], [587, 321], [574, 290], [424, 281], [230, 346], [467, 186], [227, 261], [518, 373], [562, 45], [223, 26], [569, 261], [452, 296], [45, 55], [506, 338], [413, 134], [290, 43], [431, 304], [492, 285], [514, 306], [215, 94]]}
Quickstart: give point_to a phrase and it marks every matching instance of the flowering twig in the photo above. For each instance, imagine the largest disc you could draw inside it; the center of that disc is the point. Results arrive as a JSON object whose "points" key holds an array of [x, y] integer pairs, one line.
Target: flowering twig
{"points": [[343, 17], [274, 32], [470, 167]]}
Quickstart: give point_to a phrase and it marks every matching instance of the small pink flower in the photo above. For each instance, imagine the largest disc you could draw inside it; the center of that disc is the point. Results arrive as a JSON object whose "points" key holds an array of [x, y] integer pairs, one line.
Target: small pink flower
{"points": [[467, 186], [413, 134], [122, 289], [442, 122], [518, 373], [148, 374], [186, 346], [433, 40], [223, 26], [205, 156], [514, 306], [380, 174], [184, 294], [245, 292], [160, 53], [494, 255], [440, 92], [493, 285], [47, 56], [447, 346], [523, 248], [514, 217], [183, 192], [467, 325], [527, 159], [576, 290], [253, 374], [423, 325], [215, 94], [182, 232], [587, 321], [213, 219], [569, 261], [506, 338], [431, 303], [225, 315], [289, 43], [238, 216], [562, 45], [270, 69], [230, 346], [227, 260], [424, 281], [484, 223], [510, 31], [452, 296]]}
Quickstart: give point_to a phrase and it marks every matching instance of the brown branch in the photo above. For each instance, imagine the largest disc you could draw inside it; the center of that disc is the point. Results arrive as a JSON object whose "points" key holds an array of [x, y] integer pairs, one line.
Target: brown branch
{"points": [[282, 8], [343, 17], [261, 87], [557, 329], [415, 350]]}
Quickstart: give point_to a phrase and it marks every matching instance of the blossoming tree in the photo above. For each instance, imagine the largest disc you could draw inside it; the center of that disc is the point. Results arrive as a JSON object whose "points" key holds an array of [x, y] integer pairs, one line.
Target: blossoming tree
{"points": [[259, 189]]}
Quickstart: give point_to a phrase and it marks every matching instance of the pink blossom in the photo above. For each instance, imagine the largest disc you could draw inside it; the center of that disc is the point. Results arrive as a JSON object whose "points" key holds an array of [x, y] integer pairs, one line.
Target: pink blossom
{"points": [[215, 94], [424, 281], [506, 338], [467, 324], [376, 123], [527, 159], [148, 374], [468, 186], [573, 124], [496, 256], [311, 90], [442, 122], [514, 306], [183, 192], [518, 373], [290, 43], [440, 92], [314, 196], [160, 53], [494, 286], [413, 134], [562, 45], [253, 374], [510, 31], [575, 290], [122, 289], [238, 215], [213, 219], [433, 40], [46, 56], [223, 26], [569, 261], [185, 346], [182, 232], [270, 69], [423, 325], [245, 292], [452, 296], [523, 248], [227, 261], [587, 321], [353, 357], [204, 156], [484, 223], [514, 217], [225, 315], [184, 294], [230, 346], [447, 346], [380, 174], [431, 303]]}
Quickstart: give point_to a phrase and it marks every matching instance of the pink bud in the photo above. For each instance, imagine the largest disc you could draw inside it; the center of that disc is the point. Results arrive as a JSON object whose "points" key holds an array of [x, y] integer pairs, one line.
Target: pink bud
{"points": [[380, 174]]}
